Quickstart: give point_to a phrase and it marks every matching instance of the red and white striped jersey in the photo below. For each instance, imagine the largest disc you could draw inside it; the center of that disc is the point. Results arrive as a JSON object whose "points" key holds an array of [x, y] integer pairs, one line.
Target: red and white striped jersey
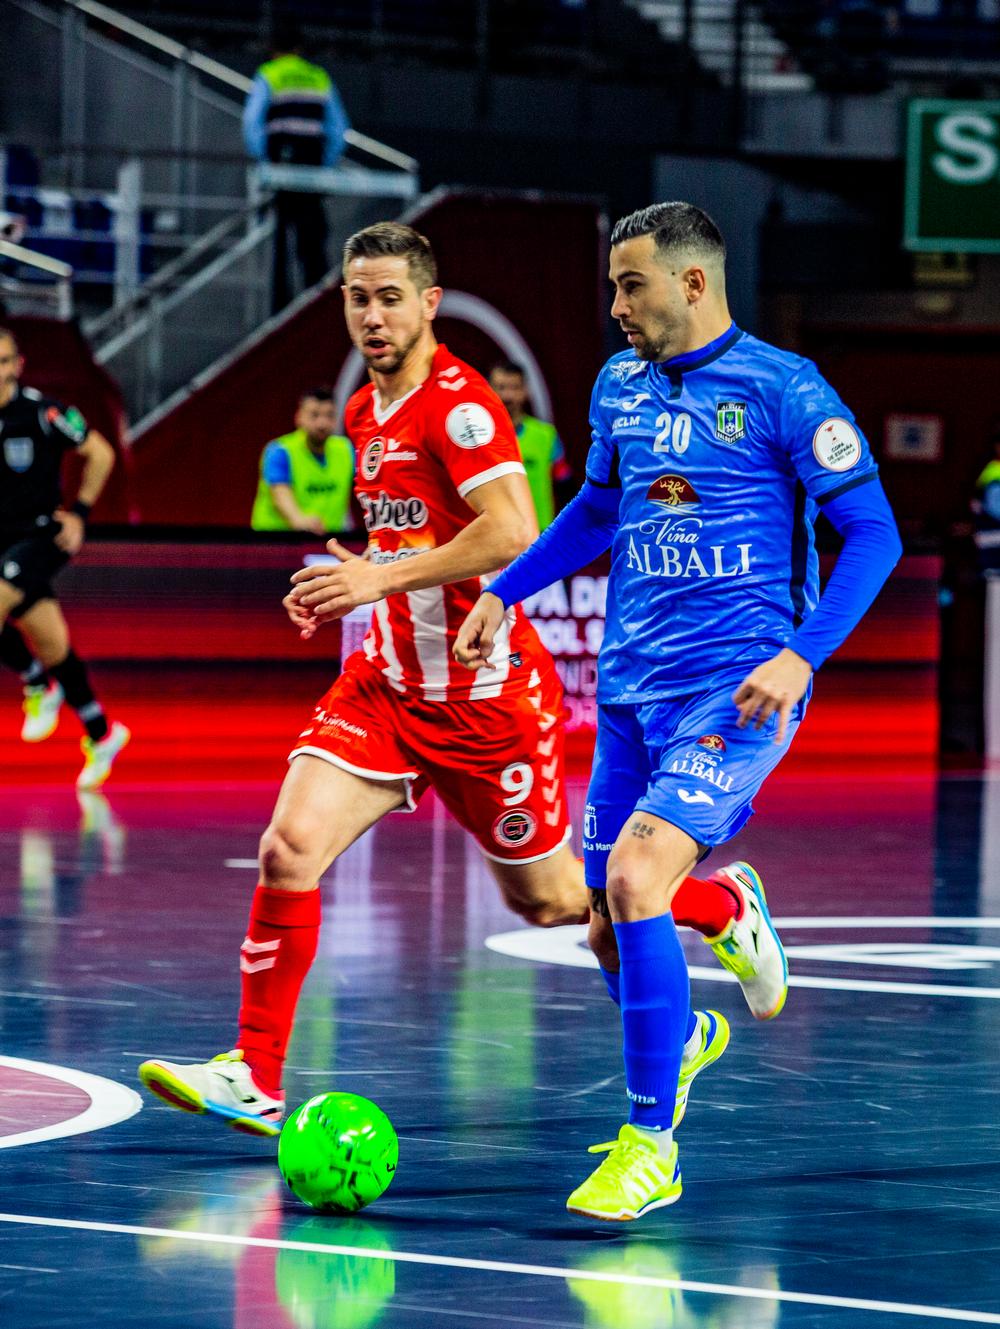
{"points": [[417, 461]]}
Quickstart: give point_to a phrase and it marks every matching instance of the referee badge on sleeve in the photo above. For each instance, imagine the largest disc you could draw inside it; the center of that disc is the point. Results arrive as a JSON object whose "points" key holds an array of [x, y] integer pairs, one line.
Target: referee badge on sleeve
{"points": [[730, 421]]}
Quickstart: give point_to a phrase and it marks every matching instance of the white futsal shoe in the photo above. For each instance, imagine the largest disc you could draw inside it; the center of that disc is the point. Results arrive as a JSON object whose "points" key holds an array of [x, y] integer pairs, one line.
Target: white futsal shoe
{"points": [[749, 947], [99, 756], [222, 1087], [41, 712]]}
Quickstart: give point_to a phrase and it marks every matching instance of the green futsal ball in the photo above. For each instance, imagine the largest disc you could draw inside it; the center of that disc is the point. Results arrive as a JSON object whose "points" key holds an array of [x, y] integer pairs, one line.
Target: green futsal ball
{"points": [[338, 1152]]}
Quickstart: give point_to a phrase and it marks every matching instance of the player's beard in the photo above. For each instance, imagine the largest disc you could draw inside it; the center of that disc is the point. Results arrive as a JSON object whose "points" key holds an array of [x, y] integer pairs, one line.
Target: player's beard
{"points": [[654, 348], [396, 362]]}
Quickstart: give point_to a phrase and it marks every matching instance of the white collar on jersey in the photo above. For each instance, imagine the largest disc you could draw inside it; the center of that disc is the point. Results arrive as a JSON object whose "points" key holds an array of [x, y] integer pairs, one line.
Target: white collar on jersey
{"points": [[383, 413]]}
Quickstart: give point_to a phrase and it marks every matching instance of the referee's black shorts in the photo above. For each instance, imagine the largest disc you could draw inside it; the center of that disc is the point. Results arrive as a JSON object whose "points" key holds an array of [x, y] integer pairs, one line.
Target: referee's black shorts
{"points": [[29, 561]]}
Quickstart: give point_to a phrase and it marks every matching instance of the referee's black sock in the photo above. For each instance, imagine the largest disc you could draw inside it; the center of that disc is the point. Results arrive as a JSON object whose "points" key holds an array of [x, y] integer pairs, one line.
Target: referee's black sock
{"points": [[15, 655], [71, 676]]}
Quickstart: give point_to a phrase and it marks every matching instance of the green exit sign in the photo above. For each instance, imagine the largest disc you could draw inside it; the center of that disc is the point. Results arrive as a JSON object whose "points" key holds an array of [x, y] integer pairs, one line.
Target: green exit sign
{"points": [[953, 176]]}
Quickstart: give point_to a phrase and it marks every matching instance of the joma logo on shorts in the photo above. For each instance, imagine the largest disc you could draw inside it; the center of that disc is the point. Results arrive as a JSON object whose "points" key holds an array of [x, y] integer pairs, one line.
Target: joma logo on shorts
{"points": [[396, 514]]}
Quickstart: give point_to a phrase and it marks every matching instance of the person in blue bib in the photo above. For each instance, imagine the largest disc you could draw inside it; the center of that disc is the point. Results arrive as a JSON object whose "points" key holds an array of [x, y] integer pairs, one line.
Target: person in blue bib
{"points": [[712, 454]]}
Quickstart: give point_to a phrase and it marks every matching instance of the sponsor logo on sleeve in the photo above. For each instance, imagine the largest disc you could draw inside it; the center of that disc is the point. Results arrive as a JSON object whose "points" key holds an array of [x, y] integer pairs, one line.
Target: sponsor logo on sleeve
{"points": [[730, 421], [470, 425], [515, 828], [70, 423], [836, 445], [624, 369]]}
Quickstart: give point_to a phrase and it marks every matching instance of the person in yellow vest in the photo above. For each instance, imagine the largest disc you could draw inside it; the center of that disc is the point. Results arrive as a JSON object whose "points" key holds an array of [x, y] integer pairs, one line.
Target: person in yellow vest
{"points": [[294, 115], [307, 476], [541, 449]]}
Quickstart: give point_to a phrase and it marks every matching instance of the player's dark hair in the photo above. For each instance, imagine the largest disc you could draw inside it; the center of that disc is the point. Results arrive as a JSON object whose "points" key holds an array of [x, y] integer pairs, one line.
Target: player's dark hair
{"points": [[394, 240], [286, 38], [675, 228], [507, 367], [316, 394], [7, 335]]}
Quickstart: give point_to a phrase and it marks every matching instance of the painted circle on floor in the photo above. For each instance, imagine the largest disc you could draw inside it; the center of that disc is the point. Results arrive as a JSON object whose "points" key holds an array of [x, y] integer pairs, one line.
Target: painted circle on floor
{"points": [[568, 946], [40, 1102]]}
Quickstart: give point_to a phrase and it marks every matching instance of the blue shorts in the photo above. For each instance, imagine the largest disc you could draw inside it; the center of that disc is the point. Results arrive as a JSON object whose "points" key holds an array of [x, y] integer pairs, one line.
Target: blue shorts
{"points": [[681, 759]]}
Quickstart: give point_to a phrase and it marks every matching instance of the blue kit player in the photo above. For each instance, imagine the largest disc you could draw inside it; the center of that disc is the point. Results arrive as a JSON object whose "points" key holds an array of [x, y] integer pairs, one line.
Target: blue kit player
{"points": [[712, 454]]}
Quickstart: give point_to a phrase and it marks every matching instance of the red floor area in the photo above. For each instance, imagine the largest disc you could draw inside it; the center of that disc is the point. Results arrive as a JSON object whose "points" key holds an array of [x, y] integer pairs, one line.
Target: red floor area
{"points": [[194, 725]]}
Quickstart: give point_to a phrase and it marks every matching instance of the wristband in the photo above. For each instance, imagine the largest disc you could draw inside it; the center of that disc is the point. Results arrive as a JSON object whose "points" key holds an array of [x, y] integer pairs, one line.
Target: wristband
{"points": [[81, 509]]}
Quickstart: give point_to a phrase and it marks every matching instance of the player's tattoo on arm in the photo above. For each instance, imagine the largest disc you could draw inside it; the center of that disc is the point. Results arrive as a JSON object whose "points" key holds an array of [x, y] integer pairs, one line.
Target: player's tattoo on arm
{"points": [[642, 830], [599, 903]]}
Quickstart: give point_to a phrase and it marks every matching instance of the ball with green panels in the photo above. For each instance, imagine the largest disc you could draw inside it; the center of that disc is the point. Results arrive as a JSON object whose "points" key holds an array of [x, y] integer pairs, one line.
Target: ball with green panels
{"points": [[338, 1152]]}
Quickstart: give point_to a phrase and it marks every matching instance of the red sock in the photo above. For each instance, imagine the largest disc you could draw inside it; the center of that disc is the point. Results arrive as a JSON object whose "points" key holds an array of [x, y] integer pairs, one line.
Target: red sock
{"points": [[275, 957], [707, 906]]}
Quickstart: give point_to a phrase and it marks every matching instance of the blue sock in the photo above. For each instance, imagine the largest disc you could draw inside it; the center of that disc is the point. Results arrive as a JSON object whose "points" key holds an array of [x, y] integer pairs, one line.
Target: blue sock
{"points": [[612, 981], [656, 1006]]}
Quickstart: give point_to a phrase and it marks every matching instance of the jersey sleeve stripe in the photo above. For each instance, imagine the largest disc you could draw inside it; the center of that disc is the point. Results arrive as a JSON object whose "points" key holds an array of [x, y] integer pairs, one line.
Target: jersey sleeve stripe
{"points": [[494, 473], [848, 485]]}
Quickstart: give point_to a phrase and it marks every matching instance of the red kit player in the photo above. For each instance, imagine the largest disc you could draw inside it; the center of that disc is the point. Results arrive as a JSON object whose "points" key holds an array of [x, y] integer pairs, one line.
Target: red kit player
{"points": [[446, 503]]}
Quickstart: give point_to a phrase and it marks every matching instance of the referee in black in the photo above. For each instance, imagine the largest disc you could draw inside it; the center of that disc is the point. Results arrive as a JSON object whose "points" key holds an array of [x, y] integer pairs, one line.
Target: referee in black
{"points": [[38, 537]]}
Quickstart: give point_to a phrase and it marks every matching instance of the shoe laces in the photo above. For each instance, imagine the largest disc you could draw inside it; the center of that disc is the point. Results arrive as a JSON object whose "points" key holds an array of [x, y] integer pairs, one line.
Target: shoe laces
{"points": [[622, 1154], [235, 1055]]}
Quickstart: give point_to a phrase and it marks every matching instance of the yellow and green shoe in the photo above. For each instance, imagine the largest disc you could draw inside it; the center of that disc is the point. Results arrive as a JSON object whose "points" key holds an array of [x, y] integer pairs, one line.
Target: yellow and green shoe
{"points": [[633, 1180], [714, 1041]]}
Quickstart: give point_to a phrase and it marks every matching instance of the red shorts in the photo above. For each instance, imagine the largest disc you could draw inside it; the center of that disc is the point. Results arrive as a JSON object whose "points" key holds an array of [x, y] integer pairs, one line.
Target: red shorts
{"points": [[497, 765]]}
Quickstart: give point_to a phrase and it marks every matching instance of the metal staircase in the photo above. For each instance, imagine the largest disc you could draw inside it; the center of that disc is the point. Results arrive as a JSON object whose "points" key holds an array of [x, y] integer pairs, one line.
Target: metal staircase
{"points": [[727, 36], [172, 134]]}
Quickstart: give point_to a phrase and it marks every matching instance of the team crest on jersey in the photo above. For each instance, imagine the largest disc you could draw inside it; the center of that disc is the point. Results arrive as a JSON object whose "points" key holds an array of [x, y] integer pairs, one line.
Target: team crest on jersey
{"points": [[714, 742], [371, 458], [18, 453], [674, 492], [514, 828], [730, 421]]}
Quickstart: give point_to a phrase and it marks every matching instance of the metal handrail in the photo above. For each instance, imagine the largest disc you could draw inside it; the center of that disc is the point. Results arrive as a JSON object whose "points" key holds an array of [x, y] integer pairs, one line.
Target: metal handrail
{"points": [[53, 266], [165, 277], [223, 74]]}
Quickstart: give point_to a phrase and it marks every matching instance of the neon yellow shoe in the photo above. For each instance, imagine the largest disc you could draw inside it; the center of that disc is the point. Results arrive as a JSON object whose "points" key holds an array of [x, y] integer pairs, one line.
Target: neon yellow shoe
{"points": [[41, 712], [99, 757], [749, 947], [631, 1181], [714, 1041]]}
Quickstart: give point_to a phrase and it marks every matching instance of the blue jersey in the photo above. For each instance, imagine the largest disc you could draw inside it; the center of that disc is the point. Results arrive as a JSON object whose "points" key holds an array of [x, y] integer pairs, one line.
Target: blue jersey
{"points": [[723, 457]]}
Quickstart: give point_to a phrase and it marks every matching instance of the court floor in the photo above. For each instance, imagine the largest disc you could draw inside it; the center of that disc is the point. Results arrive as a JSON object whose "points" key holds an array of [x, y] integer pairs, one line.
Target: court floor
{"points": [[841, 1166]]}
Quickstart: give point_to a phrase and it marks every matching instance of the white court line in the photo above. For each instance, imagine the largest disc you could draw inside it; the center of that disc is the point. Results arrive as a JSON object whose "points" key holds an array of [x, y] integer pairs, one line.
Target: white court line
{"points": [[110, 1103], [529, 1270], [240, 863], [565, 946]]}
